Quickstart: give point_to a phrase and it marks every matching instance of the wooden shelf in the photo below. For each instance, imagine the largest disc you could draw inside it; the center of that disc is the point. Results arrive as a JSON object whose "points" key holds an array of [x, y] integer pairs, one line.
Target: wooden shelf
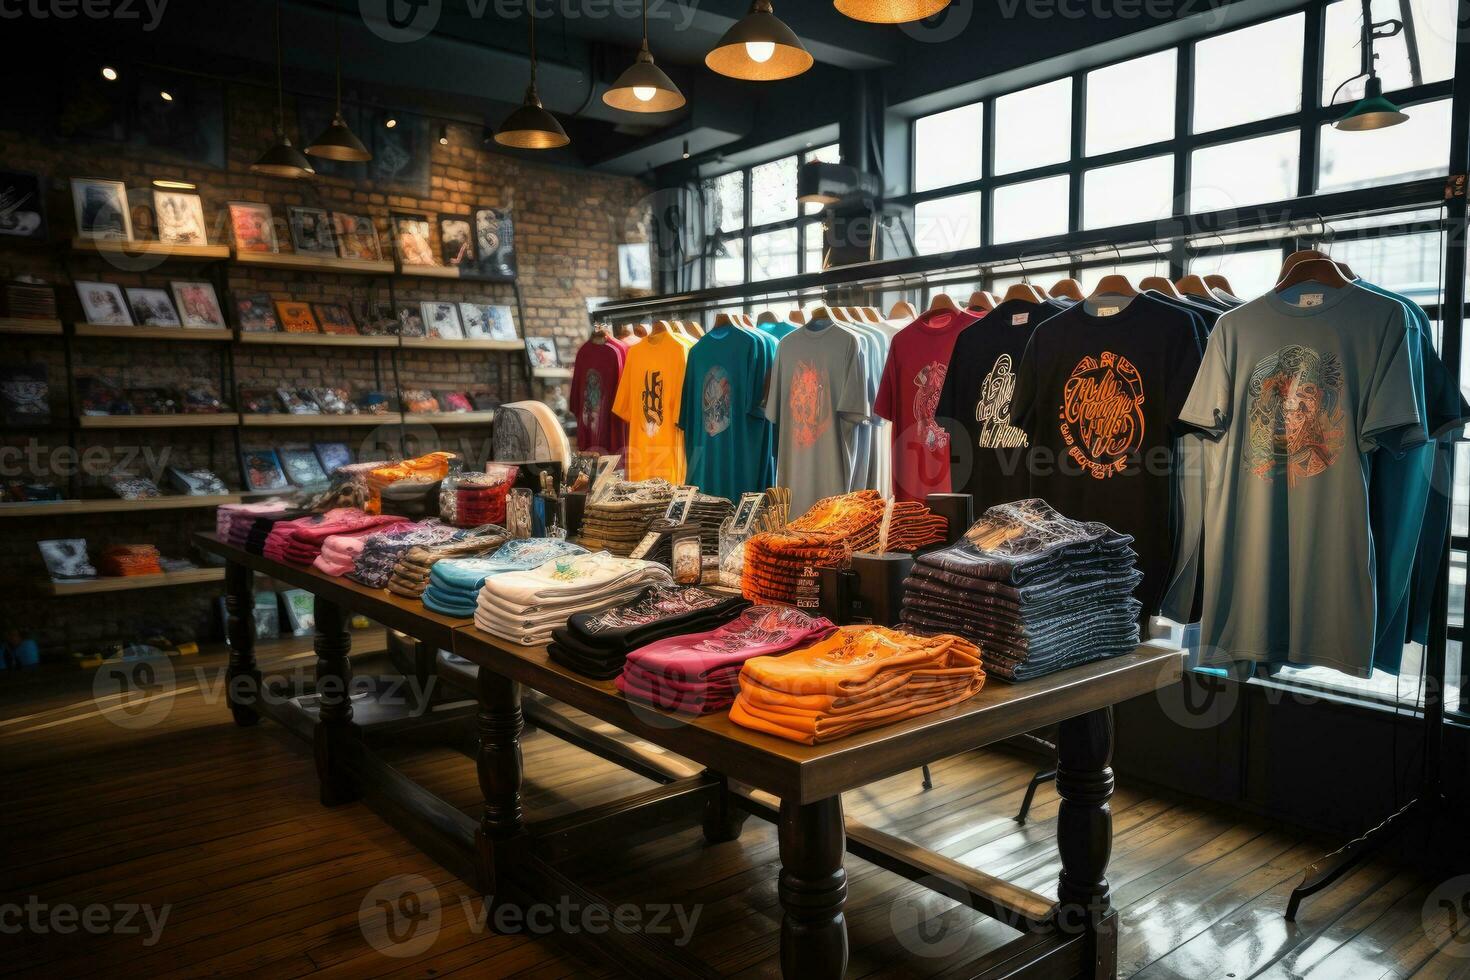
{"points": [[175, 253], [283, 339], [182, 420], [313, 263], [320, 420], [449, 418], [125, 583], [151, 333], [49, 508], [438, 343], [23, 324], [431, 271], [552, 373]]}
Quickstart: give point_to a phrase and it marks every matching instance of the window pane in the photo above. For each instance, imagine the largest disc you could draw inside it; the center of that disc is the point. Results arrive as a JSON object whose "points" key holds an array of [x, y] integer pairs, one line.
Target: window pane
{"points": [[1131, 103], [1406, 264], [947, 147], [1417, 148], [1126, 192], [947, 224], [728, 265], [1250, 273], [1434, 31], [812, 242], [1252, 73], [1234, 175], [773, 191], [773, 255], [1031, 209], [725, 199], [1033, 127]]}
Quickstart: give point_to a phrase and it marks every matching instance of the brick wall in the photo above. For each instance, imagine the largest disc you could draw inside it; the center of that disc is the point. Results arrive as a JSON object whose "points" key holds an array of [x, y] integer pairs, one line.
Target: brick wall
{"points": [[568, 225]]}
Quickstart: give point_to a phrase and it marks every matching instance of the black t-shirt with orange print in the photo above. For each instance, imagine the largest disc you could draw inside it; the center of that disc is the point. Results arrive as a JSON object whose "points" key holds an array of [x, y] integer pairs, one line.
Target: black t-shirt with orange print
{"points": [[1098, 392]]}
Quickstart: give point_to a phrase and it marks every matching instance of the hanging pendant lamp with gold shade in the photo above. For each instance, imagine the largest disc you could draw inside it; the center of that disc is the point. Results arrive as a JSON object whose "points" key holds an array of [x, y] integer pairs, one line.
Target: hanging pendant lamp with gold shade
{"points": [[337, 141], [889, 11], [644, 87], [530, 126], [282, 159], [759, 48]]}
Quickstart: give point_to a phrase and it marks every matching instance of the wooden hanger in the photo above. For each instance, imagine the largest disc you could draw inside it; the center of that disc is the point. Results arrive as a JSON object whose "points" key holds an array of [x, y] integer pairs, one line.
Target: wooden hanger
{"points": [[871, 315], [1219, 282], [767, 316], [903, 308], [1069, 288], [642, 330], [601, 334], [1160, 284], [797, 317], [1113, 285], [982, 299], [1306, 254], [1323, 270], [726, 320], [1193, 285], [942, 301], [692, 328], [1024, 292], [819, 313], [659, 327]]}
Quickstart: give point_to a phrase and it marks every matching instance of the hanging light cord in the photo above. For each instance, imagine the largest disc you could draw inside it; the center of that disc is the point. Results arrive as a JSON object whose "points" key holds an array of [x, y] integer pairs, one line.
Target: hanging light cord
{"points": [[645, 23], [337, 52], [531, 13], [280, 83]]}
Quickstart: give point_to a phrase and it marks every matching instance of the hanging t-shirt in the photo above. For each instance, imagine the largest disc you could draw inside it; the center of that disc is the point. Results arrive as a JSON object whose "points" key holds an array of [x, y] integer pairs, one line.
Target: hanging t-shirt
{"points": [[817, 397], [1295, 398], [722, 413], [648, 400], [987, 448], [1098, 393], [595, 376], [776, 330], [908, 397]]}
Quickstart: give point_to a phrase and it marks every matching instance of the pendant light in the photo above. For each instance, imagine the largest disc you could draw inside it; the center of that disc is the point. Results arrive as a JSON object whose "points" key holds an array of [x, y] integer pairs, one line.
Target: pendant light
{"points": [[889, 11], [759, 48], [337, 142], [282, 159], [531, 127], [1372, 111], [644, 87]]}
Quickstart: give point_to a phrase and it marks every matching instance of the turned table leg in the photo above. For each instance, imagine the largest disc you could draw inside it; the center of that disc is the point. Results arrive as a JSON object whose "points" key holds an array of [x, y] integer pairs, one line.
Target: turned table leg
{"points": [[1085, 835], [813, 890], [723, 818], [499, 766], [333, 687], [242, 678]]}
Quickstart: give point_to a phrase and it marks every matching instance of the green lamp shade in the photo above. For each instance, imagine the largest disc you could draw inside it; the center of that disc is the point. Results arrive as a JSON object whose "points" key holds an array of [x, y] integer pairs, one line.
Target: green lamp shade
{"points": [[889, 11], [337, 142], [759, 48], [1372, 111], [531, 127], [283, 160], [644, 88]]}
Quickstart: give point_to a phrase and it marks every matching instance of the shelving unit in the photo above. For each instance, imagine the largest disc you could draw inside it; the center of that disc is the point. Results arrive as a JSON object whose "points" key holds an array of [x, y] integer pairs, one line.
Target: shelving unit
{"points": [[283, 339], [285, 420], [215, 420], [313, 263], [27, 325], [159, 250], [63, 508], [449, 418], [184, 334], [552, 373], [438, 343], [127, 583]]}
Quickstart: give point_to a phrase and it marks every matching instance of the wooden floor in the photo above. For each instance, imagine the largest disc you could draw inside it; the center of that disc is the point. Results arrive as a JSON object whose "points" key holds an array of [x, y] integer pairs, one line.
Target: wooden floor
{"points": [[220, 827]]}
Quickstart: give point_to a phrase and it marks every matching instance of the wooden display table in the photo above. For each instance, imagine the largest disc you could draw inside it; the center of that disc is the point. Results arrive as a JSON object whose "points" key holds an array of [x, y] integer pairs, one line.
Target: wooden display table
{"points": [[745, 771]]}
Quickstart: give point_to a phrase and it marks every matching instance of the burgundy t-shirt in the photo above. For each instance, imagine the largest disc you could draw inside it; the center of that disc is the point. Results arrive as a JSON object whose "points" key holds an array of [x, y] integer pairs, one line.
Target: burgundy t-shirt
{"points": [[595, 376], [908, 395]]}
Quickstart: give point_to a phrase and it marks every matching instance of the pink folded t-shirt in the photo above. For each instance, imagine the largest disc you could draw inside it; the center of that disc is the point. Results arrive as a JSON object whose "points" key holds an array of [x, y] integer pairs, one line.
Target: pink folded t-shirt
{"points": [[756, 632]]}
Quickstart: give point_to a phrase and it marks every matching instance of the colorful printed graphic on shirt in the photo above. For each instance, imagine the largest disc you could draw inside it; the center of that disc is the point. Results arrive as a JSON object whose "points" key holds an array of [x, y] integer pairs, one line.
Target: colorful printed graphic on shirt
{"points": [[993, 410], [761, 626], [1297, 421], [807, 400], [653, 401], [660, 603], [928, 383], [591, 400], [716, 401], [1101, 416]]}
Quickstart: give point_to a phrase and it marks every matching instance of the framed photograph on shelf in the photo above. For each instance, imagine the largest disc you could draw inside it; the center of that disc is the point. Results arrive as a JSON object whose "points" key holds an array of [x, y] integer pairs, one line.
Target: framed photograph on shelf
{"points": [[542, 353], [411, 239], [253, 227], [501, 321], [495, 243], [457, 240], [311, 231], [302, 467], [441, 320], [332, 455], [152, 307], [335, 318], [262, 470], [296, 317], [25, 394], [410, 320], [22, 205], [102, 302], [101, 208], [256, 313], [635, 271], [179, 216], [473, 319], [375, 318], [198, 305], [357, 237]]}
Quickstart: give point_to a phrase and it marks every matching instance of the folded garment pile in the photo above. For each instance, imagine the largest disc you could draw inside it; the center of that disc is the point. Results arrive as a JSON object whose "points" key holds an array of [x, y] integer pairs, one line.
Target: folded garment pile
{"points": [[232, 521], [1037, 591], [478, 498], [130, 559], [618, 521], [698, 673], [857, 678], [260, 529], [299, 542], [595, 644], [524, 607], [455, 583], [833, 530], [428, 468], [411, 572], [374, 563]]}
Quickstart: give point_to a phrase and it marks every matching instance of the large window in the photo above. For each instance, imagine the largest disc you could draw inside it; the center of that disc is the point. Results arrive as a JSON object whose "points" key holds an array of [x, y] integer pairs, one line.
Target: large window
{"points": [[1033, 127]]}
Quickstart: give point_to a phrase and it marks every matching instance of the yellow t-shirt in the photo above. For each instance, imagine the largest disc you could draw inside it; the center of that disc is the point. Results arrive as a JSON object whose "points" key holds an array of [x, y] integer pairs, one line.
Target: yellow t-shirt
{"points": [[648, 400]]}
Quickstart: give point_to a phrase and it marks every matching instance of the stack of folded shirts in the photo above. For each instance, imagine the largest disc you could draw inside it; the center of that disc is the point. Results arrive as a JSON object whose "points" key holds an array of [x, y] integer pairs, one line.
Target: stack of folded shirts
{"points": [[299, 542], [859, 677], [429, 467], [454, 583], [373, 565], [1037, 591], [618, 521], [698, 673], [479, 498], [524, 607], [833, 530], [259, 531], [411, 572], [232, 521], [130, 559], [596, 644]]}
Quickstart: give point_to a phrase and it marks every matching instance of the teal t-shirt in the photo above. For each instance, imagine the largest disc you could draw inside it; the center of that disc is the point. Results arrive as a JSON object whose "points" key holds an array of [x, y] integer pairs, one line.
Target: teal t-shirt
{"points": [[727, 440], [776, 330]]}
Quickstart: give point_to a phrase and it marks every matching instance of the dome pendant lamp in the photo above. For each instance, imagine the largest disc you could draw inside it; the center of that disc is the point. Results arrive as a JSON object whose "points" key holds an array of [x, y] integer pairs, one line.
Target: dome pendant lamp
{"points": [[889, 11], [282, 159], [759, 48], [531, 127], [644, 87], [337, 142], [1372, 111]]}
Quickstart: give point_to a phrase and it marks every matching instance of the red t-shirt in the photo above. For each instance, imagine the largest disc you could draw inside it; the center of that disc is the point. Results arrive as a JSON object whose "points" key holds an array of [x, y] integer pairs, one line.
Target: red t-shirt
{"points": [[918, 358], [595, 376]]}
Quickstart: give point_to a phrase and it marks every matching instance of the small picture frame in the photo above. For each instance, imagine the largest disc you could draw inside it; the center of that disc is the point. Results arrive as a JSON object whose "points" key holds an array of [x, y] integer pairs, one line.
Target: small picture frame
{"points": [[635, 271], [457, 240], [410, 320], [332, 455], [152, 307], [296, 317], [102, 302], [357, 237], [101, 208], [495, 243], [22, 205], [502, 322], [256, 313], [311, 231], [412, 241], [198, 305], [253, 226], [335, 318], [473, 320], [179, 217], [441, 321], [302, 467], [542, 353], [261, 469]]}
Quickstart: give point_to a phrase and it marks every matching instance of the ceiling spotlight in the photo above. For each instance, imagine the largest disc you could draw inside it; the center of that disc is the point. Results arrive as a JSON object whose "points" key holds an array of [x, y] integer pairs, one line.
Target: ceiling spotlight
{"points": [[889, 11], [165, 96], [644, 87], [338, 141], [759, 48], [530, 126], [109, 73], [686, 149], [443, 135], [390, 122]]}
